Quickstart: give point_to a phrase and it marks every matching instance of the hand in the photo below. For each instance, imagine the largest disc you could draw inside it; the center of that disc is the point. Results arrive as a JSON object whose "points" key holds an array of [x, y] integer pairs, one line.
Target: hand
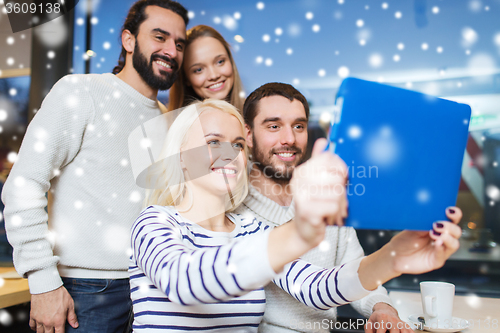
{"points": [[430, 249], [412, 252], [50, 310], [388, 320], [318, 188]]}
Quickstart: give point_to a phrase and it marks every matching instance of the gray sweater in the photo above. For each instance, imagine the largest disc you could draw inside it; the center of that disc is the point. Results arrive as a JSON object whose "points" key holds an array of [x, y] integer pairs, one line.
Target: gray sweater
{"points": [[76, 146], [285, 314]]}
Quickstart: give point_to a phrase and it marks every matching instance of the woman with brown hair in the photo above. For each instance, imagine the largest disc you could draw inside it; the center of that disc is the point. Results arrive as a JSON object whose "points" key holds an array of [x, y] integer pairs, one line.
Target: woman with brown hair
{"points": [[208, 71]]}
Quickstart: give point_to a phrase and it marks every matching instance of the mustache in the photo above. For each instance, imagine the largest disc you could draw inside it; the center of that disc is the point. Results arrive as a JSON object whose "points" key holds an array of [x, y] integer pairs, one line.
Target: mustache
{"points": [[173, 64]]}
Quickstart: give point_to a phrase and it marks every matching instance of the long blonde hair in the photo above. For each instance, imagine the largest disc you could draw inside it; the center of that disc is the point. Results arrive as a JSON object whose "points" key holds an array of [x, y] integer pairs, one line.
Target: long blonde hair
{"points": [[169, 174], [181, 94]]}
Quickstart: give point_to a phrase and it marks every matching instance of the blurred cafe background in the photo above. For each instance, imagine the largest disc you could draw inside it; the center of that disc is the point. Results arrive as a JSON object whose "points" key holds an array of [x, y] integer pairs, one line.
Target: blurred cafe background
{"points": [[446, 48]]}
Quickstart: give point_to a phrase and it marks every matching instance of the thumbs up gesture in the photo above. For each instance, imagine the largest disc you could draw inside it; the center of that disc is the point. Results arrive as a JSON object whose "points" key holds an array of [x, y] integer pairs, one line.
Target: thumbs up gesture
{"points": [[319, 191]]}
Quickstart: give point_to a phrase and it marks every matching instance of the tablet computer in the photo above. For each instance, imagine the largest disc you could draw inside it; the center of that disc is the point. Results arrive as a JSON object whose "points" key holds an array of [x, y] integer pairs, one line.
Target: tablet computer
{"points": [[403, 151]]}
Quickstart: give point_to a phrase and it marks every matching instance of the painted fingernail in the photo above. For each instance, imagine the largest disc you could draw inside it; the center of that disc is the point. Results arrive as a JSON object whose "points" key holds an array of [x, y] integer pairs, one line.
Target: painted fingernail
{"points": [[451, 210], [439, 225], [436, 233]]}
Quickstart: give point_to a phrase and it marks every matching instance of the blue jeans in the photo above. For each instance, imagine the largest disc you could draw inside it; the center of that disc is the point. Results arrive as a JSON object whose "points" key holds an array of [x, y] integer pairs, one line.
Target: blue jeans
{"points": [[101, 305]]}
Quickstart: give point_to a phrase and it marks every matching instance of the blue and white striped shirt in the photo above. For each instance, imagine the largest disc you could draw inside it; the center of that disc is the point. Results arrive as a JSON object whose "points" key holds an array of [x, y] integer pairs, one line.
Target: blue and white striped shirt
{"points": [[187, 278]]}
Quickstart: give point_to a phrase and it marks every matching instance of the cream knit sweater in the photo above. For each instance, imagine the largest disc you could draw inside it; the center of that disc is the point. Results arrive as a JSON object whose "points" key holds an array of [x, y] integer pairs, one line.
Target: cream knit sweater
{"points": [[283, 313], [76, 146]]}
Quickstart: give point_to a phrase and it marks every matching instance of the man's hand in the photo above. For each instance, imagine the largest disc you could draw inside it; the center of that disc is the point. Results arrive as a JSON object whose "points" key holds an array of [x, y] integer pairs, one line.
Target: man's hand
{"points": [[319, 192], [50, 310], [388, 320]]}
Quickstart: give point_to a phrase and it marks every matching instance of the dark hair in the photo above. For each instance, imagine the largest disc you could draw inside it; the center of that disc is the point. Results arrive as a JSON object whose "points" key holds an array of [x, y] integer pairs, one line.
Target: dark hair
{"points": [[181, 94], [271, 89], [137, 14]]}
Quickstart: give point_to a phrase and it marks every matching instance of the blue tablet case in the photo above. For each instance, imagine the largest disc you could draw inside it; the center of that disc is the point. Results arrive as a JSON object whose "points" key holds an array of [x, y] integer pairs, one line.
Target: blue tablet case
{"points": [[404, 152]]}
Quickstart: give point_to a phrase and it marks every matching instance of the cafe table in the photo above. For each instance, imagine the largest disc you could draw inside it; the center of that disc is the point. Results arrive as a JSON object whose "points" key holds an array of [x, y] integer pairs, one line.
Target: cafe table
{"points": [[13, 290], [482, 313]]}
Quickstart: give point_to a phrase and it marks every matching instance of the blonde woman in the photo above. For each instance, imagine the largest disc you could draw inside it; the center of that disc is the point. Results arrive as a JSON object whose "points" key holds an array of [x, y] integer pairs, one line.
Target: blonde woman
{"points": [[198, 267]]}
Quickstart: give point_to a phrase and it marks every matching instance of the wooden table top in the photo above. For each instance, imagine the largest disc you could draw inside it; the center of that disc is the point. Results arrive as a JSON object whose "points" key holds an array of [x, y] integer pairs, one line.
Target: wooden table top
{"points": [[13, 291], [482, 313]]}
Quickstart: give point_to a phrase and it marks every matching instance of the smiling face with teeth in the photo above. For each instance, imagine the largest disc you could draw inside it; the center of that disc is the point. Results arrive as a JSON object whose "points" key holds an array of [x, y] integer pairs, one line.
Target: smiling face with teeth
{"points": [[213, 156], [208, 68], [156, 50], [279, 137]]}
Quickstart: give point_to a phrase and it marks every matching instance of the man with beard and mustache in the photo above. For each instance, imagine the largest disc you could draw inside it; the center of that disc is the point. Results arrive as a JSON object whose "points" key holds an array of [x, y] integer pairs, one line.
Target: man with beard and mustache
{"points": [[276, 117], [76, 147]]}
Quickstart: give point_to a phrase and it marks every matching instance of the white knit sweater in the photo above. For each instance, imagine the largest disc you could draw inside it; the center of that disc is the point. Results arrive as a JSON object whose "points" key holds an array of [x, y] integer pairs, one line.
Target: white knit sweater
{"points": [[76, 145], [283, 313]]}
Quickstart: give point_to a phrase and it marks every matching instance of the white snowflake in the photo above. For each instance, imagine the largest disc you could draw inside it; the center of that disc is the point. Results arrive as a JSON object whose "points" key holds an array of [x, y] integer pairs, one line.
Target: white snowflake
{"points": [[435, 10], [268, 62], [5, 317], [80, 21], [56, 172], [343, 72], [10, 61], [12, 157], [425, 46], [79, 172], [354, 132], [191, 14], [289, 51], [266, 38], [94, 20], [469, 37], [229, 22], [324, 246], [493, 192], [316, 28], [135, 196], [51, 54], [106, 116], [19, 181], [401, 46], [296, 82], [3, 115], [217, 20], [398, 15], [360, 23], [321, 72], [375, 60], [237, 15], [396, 57], [16, 220], [106, 45], [259, 60], [294, 30], [278, 31], [39, 147], [10, 40], [385, 5], [309, 16], [260, 5], [439, 49], [78, 204]]}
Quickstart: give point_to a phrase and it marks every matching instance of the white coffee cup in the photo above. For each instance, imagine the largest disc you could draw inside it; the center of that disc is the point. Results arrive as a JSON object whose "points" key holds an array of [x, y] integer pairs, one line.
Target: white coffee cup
{"points": [[437, 302]]}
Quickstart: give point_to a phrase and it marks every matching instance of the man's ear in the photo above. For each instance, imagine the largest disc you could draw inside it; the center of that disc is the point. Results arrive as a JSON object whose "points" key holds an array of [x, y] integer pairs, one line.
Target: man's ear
{"points": [[249, 136], [128, 41]]}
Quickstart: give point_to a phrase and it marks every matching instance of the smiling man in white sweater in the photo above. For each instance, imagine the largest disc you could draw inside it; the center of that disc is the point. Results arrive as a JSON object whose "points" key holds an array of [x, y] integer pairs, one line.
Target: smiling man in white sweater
{"points": [[276, 117], [76, 147]]}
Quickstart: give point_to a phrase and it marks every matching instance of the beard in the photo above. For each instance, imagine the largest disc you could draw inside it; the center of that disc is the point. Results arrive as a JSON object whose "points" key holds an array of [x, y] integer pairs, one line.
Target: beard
{"points": [[270, 169], [158, 82]]}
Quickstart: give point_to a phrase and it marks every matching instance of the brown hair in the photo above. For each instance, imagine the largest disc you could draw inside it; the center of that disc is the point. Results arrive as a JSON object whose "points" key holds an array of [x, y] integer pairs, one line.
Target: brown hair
{"points": [[271, 89], [181, 94], [137, 15]]}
